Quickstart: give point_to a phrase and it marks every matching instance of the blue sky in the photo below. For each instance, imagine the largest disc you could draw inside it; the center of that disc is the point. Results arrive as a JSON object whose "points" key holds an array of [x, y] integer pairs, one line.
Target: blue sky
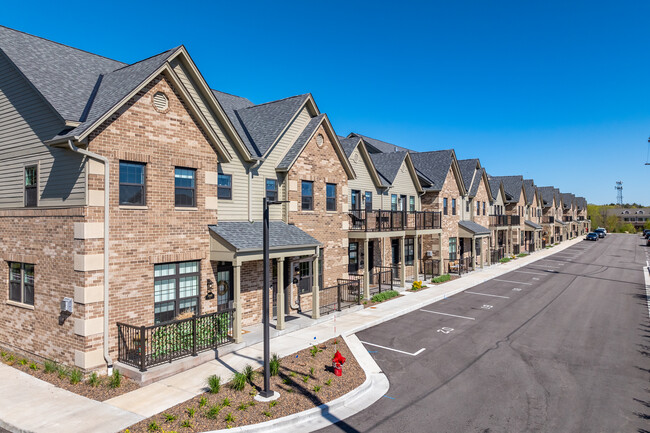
{"points": [[556, 91]]}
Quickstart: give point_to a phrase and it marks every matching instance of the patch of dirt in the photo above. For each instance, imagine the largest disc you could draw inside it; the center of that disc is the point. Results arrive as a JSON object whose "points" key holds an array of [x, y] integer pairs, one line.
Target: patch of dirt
{"points": [[296, 384], [369, 303], [102, 391]]}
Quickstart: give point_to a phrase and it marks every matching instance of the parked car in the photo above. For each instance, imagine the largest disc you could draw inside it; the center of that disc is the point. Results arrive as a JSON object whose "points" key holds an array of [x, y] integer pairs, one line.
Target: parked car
{"points": [[603, 229], [592, 236], [646, 231], [601, 232], [647, 242]]}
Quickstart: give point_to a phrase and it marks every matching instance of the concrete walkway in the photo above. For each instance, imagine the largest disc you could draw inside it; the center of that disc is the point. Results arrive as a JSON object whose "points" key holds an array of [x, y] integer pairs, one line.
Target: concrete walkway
{"points": [[20, 414]]}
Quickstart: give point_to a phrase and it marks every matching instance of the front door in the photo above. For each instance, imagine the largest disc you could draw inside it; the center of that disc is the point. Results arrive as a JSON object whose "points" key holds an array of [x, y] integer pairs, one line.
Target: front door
{"points": [[394, 246], [371, 256], [224, 285]]}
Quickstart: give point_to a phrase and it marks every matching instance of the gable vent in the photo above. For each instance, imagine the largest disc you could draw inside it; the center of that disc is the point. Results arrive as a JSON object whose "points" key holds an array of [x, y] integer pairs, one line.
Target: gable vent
{"points": [[160, 101]]}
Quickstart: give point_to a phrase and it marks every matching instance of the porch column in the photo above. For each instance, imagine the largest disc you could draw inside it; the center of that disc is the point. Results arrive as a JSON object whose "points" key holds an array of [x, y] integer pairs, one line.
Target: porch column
{"points": [[279, 324], [315, 300], [416, 262], [402, 276], [237, 322], [366, 267], [441, 265], [473, 253]]}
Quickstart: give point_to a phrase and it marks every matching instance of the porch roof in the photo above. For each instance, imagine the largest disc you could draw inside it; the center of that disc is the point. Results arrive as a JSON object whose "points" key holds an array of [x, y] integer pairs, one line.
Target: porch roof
{"points": [[473, 229], [244, 236], [531, 225]]}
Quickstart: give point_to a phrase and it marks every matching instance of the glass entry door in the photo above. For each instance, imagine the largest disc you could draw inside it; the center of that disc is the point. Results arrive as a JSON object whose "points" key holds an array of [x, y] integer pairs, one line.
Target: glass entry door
{"points": [[224, 285]]}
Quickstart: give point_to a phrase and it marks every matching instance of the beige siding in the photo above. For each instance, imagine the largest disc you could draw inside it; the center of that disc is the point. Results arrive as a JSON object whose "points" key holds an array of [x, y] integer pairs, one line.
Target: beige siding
{"points": [[364, 181], [402, 185], [25, 122]]}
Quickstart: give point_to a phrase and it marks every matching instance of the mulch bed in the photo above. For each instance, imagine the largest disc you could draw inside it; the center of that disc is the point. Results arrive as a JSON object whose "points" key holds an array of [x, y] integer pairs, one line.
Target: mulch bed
{"points": [[453, 277], [100, 392], [369, 303], [296, 394]]}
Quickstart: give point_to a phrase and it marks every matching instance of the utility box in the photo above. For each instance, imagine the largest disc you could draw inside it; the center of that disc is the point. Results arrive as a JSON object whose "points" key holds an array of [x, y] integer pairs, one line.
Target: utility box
{"points": [[66, 305]]}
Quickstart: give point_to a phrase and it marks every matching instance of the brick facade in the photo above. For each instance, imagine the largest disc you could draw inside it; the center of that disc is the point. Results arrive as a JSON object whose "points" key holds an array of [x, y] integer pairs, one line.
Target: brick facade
{"points": [[433, 201]]}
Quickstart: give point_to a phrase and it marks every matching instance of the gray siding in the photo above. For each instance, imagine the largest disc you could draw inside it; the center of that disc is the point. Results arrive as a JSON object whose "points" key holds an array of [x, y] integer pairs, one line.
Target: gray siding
{"points": [[25, 122]]}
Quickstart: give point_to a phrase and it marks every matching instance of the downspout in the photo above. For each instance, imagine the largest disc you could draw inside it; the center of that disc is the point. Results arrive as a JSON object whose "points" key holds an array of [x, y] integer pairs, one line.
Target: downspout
{"points": [[104, 160]]}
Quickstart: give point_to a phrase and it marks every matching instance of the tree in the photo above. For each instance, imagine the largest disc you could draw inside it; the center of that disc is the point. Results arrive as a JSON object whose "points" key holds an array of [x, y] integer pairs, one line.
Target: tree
{"points": [[647, 225], [612, 224], [628, 228]]}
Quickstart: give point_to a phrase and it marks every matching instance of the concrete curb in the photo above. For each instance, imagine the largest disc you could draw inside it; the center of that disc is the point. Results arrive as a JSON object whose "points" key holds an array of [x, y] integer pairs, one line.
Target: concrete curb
{"points": [[371, 390]]}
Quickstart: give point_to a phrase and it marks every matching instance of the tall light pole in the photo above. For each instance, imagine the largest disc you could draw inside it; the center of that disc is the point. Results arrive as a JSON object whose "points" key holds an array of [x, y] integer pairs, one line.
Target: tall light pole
{"points": [[266, 392]]}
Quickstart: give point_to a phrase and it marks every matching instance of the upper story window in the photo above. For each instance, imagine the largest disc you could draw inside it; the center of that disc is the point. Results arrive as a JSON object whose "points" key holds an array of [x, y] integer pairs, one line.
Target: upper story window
{"points": [[467, 203], [224, 186], [453, 206], [368, 201], [483, 208], [132, 190], [307, 195], [412, 203], [271, 190], [31, 186], [355, 198], [393, 202], [478, 208], [330, 192], [445, 210], [185, 187], [21, 283]]}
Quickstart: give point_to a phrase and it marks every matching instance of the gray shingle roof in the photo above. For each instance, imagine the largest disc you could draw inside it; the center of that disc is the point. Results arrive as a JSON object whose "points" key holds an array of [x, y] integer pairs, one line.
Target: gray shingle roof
{"points": [[378, 146], [547, 193], [567, 200], [434, 166], [473, 227], [65, 76], [247, 236], [230, 104], [300, 142], [530, 187], [533, 225], [512, 186], [349, 144], [388, 164], [495, 186], [581, 203]]}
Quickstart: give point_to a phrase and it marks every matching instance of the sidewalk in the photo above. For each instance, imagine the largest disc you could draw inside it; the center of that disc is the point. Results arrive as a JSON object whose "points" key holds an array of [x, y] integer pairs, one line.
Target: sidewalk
{"points": [[18, 409]]}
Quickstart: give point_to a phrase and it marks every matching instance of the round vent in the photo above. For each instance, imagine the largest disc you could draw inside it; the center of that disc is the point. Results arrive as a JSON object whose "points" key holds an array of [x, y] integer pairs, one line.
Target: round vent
{"points": [[160, 102], [319, 140]]}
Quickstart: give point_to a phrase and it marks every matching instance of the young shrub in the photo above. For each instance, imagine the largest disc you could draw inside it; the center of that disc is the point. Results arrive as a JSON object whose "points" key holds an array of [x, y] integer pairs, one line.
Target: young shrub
{"points": [[225, 402], [314, 350], [317, 388], [115, 380], [62, 372], [153, 426], [93, 380], [505, 260], [305, 379], [34, 366], [311, 371], [274, 365], [384, 296], [285, 381], [252, 403], [230, 418], [441, 278], [249, 373], [292, 374], [213, 412], [203, 402], [267, 414], [417, 285], [238, 381], [169, 417], [190, 412], [214, 383], [329, 382], [242, 406], [3, 354], [50, 366], [75, 376], [186, 424], [22, 361], [273, 403]]}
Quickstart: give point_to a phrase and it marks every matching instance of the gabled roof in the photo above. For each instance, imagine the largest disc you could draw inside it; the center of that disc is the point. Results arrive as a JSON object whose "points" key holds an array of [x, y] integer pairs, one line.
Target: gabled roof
{"points": [[435, 165], [513, 186], [247, 236], [388, 165], [533, 225], [300, 143], [230, 104], [581, 203], [558, 197], [495, 186], [63, 75], [377, 146], [468, 169], [530, 188], [349, 144], [547, 193], [567, 200]]}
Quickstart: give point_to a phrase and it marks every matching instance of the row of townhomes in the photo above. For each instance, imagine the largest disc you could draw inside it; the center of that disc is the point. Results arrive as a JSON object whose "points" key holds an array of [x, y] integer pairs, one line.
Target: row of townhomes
{"points": [[131, 198]]}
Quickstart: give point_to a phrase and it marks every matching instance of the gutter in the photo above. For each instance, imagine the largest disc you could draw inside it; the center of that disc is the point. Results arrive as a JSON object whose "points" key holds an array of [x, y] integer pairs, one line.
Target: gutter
{"points": [[104, 160]]}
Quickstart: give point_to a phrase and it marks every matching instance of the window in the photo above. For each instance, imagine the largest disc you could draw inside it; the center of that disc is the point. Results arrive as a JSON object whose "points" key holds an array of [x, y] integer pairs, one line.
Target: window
{"points": [[355, 199], [307, 195], [224, 186], [452, 248], [412, 203], [453, 206], [185, 187], [402, 202], [467, 205], [353, 257], [271, 190], [393, 202], [176, 290], [478, 208], [444, 206], [132, 190], [483, 208], [31, 186], [409, 252], [478, 247], [368, 201], [330, 192], [21, 283]]}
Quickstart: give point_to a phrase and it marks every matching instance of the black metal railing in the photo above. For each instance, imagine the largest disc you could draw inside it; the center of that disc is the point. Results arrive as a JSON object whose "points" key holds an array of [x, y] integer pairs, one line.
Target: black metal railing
{"points": [[568, 218], [381, 279], [581, 218], [516, 249], [457, 266], [547, 219], [504, 220], [148, 346], [497, 254], [430, 268], [344, 294], [531, 247], [386, 220]]}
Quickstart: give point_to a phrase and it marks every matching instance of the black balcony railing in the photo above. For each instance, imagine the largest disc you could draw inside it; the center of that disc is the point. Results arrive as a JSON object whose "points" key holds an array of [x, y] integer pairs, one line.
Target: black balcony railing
{"points": [[147, 346], [345, 294], [568, 218], [386, 220], [504, 220], [547, 219]]}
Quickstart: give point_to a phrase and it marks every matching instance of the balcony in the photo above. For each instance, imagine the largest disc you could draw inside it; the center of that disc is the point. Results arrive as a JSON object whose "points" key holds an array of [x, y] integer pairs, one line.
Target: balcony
{"points": [[567, 218], [548, 219], [386, 220], [581, 218], [504, 220]]}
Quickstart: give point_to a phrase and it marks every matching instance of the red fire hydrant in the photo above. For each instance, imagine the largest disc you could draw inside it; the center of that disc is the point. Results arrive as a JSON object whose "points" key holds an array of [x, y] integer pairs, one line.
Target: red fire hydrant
{"points": [[337, 363]]}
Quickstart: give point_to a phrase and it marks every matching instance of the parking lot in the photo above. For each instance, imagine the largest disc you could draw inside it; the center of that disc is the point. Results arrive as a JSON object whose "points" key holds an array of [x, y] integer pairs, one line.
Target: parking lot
{"points": [[559, 345]]}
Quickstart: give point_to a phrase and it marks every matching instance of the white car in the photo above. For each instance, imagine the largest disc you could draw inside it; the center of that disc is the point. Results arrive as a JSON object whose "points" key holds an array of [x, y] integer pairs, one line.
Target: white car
{"points": [[603, 229]]}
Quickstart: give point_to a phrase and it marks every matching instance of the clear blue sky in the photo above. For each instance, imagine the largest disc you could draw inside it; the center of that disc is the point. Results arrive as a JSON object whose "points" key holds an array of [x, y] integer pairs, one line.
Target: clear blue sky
{"points": [[554, 90]]}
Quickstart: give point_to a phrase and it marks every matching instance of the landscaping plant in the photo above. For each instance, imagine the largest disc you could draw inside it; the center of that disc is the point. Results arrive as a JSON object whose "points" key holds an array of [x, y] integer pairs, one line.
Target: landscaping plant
{"points": [[50, 366], [203, 401], [115, 380], [169, 417], [238, 381], [417, 285], [34, 366], [274, 365], [384, 296], [214, 383], [93, 380], [249, 373], [75, 376], [441, 278], [213, 412]]}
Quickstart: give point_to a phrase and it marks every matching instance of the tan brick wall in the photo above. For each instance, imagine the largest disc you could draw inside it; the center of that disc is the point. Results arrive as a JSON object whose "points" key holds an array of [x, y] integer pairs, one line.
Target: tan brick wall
{"points": [[434, 202], [322, 165]]}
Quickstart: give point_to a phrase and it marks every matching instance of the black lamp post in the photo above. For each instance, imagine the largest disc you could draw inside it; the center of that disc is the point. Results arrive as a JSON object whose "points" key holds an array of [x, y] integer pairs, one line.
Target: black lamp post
{"points": [[266, 392]]}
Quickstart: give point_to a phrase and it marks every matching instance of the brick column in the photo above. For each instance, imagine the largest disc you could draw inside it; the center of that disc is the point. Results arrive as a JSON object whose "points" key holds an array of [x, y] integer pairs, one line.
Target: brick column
{"points": [[279, 324]]}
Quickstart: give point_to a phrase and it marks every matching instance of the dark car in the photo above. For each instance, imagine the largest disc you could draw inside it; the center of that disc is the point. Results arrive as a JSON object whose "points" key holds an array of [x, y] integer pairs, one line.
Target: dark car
{"points": [[592, 237], [600, 232]]}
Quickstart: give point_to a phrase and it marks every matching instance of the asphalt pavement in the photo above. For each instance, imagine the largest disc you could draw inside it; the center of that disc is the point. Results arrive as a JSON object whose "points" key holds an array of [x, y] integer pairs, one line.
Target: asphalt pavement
{"points": [[561, 345]]}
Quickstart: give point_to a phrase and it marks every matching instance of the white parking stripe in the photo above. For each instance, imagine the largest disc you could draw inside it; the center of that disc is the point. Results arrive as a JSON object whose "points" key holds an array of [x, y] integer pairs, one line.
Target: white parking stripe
{"points": [[646, 276], [447, 314], [487, 294], [395, 350], [528, 272], [516, 282]]}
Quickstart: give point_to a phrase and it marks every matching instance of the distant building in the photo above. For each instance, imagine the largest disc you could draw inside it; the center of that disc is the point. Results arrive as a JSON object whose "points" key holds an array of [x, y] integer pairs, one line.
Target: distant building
{"points": [[635, 216]]}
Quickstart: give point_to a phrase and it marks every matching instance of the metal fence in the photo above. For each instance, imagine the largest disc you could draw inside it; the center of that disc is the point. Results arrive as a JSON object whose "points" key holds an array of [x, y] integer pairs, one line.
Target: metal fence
{"points": [[346, 293], [430, 268], [497, 254], [381, 279], [147, 346], [516, 249], [457, 266]]}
